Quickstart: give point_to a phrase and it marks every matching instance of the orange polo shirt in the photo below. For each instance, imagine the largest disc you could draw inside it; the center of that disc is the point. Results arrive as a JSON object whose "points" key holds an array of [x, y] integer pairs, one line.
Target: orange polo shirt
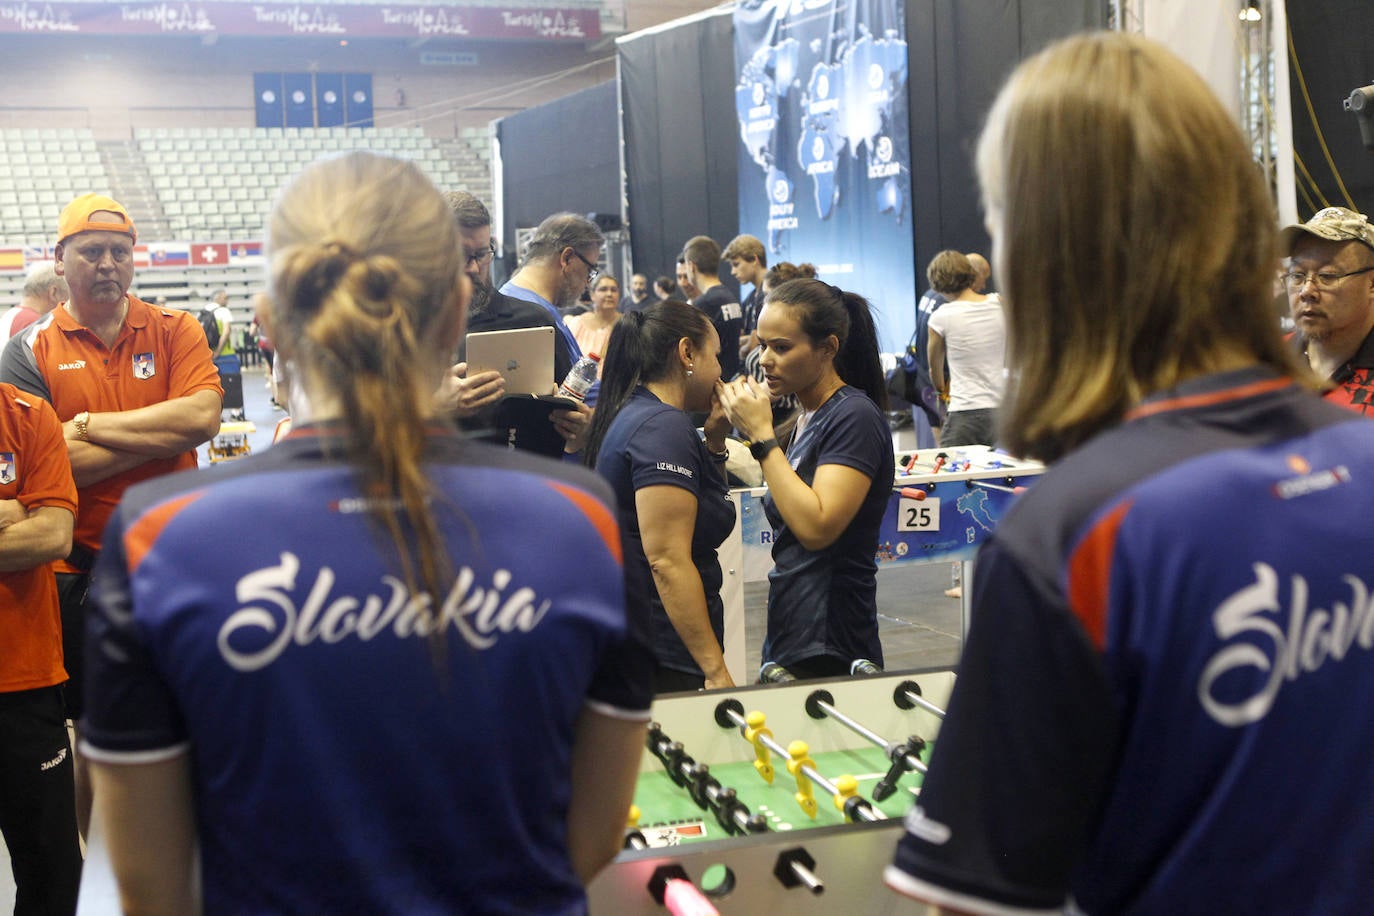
{"points": [[160, 354], [35, 471]]}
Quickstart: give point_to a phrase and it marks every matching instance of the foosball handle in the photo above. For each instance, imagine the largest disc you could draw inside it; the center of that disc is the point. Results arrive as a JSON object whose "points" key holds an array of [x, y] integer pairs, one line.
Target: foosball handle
{"points": [[635, 840], [658, 881], [796, 868], [682, 898]]}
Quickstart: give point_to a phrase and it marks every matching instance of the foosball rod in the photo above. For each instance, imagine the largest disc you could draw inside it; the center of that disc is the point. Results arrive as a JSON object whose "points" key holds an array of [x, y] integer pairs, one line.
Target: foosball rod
{"points": [[706, 791], [819, 705], [996, 486], [735, 713], [907, 695]]}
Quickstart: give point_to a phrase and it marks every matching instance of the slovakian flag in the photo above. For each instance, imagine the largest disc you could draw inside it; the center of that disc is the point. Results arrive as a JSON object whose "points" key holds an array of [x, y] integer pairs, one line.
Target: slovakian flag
{"points": [[141, 257], [209, 254], [241, 252], [11, 258], [169, 254]]}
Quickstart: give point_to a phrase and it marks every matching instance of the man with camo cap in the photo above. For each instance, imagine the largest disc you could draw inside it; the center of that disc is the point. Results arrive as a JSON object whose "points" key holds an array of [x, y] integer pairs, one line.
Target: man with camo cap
{"points": [[1329, 277]]}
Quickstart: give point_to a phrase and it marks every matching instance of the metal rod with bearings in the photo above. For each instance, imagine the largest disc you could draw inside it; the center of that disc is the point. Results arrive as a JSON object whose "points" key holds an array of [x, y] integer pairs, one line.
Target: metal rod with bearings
{"points": [[987, 485], [905, 756], [821, 704]]}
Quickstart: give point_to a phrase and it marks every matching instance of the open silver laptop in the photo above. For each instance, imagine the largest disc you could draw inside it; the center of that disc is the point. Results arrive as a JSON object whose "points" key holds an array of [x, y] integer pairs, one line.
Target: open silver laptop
{"points": [[524, 357]]}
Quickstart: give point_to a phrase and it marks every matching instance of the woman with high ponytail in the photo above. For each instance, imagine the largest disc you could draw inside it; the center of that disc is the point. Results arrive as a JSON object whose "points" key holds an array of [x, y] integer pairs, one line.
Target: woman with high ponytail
{"points": [[391, 698], [827, 494], [669, 483]]}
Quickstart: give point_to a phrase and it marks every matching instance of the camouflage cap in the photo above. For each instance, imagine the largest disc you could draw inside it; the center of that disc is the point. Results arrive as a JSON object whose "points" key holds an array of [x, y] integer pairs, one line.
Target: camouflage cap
{"points": [[1335, 224]]}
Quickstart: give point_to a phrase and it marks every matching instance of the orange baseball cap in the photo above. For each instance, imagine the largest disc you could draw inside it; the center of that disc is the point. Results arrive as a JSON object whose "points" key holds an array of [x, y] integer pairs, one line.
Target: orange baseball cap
{"points": [[94, 213]]}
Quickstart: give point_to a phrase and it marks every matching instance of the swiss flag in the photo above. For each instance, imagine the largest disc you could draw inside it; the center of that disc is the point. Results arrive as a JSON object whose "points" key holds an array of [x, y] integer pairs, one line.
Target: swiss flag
{"points": [[209, 255]]}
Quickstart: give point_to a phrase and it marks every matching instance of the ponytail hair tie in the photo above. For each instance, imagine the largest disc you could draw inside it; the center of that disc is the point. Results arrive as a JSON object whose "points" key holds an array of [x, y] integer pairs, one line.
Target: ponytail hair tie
{"points": [[839, 293]]}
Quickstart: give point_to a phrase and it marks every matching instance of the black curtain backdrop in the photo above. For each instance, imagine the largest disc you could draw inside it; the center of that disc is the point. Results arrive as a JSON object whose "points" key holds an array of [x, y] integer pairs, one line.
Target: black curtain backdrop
{"points": [[960, 54], [678, 96], [1332, 45], [561, 156], [680, 132]]}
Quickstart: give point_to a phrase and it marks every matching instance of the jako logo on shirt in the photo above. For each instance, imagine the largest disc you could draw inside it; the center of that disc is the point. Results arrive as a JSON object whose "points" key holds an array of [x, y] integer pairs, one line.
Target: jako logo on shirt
{"points": [[1310, 639], [268, 620], [79, 364]]}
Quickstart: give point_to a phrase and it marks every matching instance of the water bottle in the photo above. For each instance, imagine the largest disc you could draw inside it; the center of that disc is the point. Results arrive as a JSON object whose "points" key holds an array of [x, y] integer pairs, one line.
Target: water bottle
{"points": [[773, 673], [580, 378], [863, 667]]}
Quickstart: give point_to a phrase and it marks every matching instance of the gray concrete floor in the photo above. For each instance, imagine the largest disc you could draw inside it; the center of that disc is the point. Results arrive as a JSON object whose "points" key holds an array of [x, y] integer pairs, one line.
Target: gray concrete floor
{"points": [[918, 625]]}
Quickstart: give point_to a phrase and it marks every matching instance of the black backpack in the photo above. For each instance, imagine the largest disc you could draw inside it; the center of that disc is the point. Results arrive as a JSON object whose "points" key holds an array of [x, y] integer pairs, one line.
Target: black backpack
{"points": [[211, 328]]}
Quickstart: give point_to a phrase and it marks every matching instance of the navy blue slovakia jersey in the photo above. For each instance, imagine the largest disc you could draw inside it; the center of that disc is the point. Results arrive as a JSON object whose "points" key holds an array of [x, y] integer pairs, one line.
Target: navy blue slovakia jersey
{"points": [[825, 602], [1157, 707], [256, 617]]}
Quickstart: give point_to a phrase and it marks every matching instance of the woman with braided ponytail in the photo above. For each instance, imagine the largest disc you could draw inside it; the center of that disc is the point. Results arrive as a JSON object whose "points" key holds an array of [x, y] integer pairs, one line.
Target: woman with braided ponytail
{"points": [[389, 701], [827, 494]]}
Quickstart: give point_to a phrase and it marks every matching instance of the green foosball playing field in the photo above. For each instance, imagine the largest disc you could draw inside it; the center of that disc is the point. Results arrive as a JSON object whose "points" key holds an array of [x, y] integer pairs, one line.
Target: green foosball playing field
{"points": [[668, 816]]}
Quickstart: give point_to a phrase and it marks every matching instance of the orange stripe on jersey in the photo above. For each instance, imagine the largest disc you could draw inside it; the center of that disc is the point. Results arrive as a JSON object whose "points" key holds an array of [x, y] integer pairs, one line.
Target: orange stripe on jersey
{"points": [[138, 540], [600, 517], [1090, 573], [1212, 397]]}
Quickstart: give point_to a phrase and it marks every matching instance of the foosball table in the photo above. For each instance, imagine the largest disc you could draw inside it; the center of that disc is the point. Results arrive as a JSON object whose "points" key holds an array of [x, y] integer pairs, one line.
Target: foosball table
{"points": [[781, 798]]}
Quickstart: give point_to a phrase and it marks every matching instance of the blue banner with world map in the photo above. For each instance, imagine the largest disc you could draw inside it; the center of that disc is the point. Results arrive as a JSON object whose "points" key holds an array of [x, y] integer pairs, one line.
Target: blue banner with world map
{"points": [[825, 165]]}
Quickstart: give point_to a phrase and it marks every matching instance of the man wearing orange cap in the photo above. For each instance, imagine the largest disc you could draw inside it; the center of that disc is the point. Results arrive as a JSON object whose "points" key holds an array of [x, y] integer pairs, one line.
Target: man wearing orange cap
{"points": [[134, 386]]}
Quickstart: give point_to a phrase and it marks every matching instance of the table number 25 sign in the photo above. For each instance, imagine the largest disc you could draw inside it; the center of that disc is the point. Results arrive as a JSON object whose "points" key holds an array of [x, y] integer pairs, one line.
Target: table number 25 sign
{"points": [[918, 514]]}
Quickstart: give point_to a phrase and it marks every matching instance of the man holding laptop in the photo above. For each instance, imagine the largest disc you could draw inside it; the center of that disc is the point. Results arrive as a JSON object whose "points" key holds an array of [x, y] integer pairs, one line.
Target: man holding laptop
{"points": [[489, 310]]}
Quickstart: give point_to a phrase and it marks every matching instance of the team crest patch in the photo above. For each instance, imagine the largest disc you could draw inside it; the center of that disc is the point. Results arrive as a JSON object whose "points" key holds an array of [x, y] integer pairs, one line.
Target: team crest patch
{"points": [[144, 367], [8, 471]]}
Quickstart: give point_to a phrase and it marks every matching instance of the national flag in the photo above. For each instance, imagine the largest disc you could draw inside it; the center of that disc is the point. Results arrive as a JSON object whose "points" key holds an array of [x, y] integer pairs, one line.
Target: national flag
{"points": [[35, 253], [209, 254], [240, 252], [11, 258], [141, 256], [169, 254]]}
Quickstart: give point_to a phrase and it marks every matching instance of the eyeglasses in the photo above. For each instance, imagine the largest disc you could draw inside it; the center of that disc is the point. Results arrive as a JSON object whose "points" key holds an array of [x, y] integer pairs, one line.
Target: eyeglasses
{"points": [[592, 270], [482, 258], [1295, 280]]}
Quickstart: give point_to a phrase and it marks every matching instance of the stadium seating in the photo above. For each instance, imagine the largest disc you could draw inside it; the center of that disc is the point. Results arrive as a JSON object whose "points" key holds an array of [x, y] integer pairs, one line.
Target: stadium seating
{"points": [[200, 184]]}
